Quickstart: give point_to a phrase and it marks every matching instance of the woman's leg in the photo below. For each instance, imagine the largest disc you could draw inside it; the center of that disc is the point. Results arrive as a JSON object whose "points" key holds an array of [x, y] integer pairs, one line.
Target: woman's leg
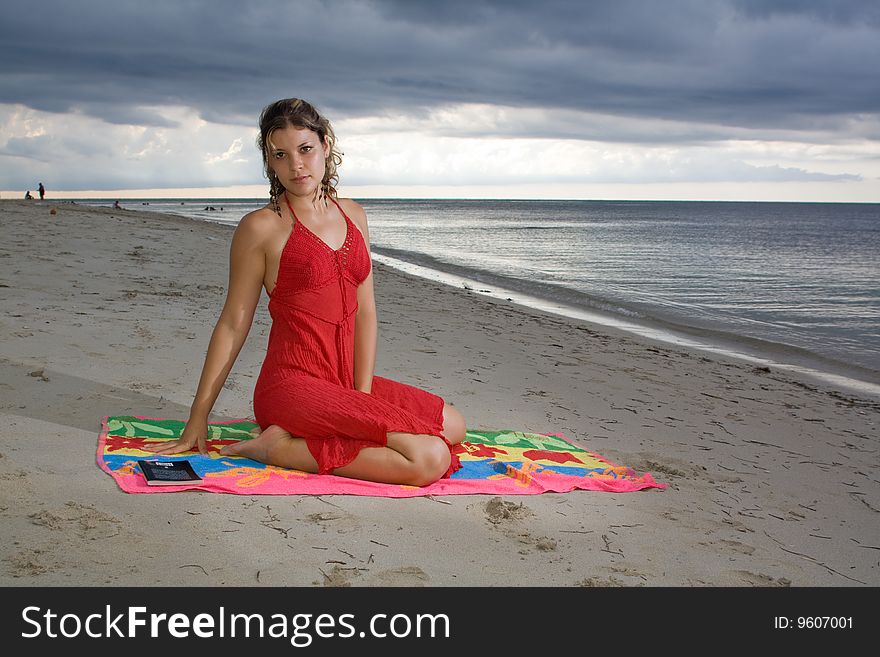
{"points": [[408, 459], [275, 446], [454, 427]]}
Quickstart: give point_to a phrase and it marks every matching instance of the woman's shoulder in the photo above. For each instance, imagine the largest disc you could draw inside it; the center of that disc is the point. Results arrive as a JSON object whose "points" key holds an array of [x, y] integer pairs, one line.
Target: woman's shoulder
{"points": [[350, 206], [258, 227], [259, 224]]}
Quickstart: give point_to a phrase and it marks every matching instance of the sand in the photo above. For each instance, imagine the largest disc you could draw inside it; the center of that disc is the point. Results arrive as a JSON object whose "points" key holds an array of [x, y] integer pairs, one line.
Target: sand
{"points": [[772, 478]]}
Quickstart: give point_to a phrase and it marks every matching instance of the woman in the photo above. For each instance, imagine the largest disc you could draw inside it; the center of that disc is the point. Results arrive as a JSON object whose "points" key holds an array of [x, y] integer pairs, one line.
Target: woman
{"points": [[317, 401]]}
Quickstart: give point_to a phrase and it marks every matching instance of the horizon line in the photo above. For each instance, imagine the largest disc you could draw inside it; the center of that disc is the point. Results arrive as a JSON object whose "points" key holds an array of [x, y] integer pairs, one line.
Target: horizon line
{"points": [[121, 199], [426, 192]]}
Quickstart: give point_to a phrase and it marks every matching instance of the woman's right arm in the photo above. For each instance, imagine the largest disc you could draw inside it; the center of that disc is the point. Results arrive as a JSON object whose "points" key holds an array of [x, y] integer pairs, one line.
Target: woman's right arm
{"points": [[247, 269]]}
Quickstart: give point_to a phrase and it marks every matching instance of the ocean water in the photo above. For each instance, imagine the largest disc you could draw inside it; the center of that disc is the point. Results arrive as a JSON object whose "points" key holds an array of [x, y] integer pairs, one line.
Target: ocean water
{"points": [[784, 283]]}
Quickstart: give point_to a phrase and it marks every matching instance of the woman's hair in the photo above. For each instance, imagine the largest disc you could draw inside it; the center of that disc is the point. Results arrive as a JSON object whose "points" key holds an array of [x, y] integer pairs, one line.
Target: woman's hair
{"points": [[299, 114]]}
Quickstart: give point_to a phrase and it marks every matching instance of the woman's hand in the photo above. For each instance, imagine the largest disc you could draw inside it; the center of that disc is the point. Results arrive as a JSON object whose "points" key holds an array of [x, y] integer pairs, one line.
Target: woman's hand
{"points": [[194, 433]]}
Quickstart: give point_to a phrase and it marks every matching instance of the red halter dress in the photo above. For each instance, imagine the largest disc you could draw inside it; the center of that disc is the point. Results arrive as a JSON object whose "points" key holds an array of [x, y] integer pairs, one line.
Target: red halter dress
{"points": [[306, 384]]}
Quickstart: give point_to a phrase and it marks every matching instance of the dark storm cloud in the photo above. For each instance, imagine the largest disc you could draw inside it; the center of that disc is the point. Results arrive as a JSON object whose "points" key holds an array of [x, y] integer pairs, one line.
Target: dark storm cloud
{"points": [[846, 12], [737, 63]]}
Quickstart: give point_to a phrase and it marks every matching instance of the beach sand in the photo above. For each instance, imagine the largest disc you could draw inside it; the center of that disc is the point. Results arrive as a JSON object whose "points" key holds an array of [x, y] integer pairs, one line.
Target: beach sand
{"points": [[772, 478]]}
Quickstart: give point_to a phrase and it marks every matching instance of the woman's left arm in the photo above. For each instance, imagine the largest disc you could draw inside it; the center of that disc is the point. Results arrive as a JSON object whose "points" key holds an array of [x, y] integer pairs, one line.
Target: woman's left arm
{"points": [[365, 324]]}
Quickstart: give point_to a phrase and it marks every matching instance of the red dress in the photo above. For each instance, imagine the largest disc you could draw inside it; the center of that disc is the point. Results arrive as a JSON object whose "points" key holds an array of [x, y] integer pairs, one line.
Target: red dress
{"points": [[306, 384]]}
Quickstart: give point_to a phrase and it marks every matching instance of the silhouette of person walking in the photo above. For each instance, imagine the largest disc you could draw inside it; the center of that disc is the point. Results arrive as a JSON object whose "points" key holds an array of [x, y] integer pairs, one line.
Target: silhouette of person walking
{"points": [[42, 191]]}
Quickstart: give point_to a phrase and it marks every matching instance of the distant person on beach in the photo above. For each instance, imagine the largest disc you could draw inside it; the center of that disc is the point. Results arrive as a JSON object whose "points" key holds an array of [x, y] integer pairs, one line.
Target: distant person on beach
{"points": [[42, 191], [28, 196], [116, 205], [317, 401]]}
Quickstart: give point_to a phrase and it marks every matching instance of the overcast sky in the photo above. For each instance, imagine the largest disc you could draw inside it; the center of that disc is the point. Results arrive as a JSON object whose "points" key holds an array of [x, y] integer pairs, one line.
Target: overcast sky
{"points": [[572, 99]]}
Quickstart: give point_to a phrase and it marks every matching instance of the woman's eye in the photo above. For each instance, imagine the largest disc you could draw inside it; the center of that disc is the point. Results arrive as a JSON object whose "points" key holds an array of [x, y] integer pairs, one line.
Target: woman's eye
{"points": [[279, 156], [306, 149]]}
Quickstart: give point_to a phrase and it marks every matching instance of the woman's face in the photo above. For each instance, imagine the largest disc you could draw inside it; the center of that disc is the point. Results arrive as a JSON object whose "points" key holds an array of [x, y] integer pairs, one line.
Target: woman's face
{"points": [[297, 157]]}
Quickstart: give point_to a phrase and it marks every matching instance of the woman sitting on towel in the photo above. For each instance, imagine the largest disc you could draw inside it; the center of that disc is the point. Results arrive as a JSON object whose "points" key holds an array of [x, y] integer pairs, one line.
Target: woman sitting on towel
{"points": [[319, 405]]}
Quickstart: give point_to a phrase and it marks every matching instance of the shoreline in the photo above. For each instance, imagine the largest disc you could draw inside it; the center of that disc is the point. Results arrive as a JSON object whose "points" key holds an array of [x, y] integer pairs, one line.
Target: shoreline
{"points": [[816, 367], [772, 478], [751, 350]]}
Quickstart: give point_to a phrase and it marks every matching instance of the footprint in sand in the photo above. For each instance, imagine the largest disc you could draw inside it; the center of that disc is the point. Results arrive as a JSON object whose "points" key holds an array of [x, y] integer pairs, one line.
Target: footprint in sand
{"points": [[405, 576], [509, 517], [85, 518], [31, 562], [499, 511], [341, 522]]}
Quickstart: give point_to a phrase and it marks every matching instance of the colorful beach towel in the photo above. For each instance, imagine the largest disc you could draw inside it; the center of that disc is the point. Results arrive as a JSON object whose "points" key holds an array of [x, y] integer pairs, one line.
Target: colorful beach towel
{"points": [[493, 462]]}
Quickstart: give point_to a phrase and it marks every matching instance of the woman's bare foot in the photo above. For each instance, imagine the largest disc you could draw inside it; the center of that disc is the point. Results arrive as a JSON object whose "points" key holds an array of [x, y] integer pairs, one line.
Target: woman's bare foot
{"points": [[259, 448]]}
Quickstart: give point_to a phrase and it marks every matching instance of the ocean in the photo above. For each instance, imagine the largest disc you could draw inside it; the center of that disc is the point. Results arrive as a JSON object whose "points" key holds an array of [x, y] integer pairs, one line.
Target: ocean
{"points": [[794, 285]]}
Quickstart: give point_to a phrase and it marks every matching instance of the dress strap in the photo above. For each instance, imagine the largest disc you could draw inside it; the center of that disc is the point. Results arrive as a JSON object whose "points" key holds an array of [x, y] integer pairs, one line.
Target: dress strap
{"points": [[290, 207], [347, 218]]}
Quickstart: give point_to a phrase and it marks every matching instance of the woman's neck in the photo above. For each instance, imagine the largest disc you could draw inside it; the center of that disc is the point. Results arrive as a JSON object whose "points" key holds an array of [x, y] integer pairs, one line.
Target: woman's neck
{"points": [[310, 206]]}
